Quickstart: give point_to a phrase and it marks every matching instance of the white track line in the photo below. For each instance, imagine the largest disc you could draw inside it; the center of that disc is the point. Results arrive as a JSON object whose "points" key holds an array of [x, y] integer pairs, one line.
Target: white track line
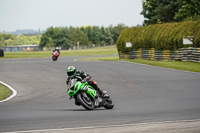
{"points": [[14, 92], [93, 127]]}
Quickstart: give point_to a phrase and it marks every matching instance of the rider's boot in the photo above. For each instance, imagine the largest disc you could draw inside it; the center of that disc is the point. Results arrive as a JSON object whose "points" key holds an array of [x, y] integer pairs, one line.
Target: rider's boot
{"points": [[105, 95], [102, 93]]}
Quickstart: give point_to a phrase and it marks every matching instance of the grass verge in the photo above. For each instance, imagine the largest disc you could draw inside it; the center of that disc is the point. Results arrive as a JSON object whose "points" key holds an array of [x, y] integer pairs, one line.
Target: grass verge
{"points": [[107, 50], [178, 65], [113, 58], [4, 92]]}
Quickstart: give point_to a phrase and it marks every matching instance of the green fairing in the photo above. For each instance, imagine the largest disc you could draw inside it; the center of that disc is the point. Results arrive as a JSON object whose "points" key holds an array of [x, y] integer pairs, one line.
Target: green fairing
{"points": [[92, 92], [80, 86]]}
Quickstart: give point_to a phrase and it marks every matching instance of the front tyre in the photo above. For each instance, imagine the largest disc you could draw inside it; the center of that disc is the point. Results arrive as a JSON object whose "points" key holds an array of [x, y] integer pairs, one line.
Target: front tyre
{"points": [[86, 102], [109, 103], [54, 58]]}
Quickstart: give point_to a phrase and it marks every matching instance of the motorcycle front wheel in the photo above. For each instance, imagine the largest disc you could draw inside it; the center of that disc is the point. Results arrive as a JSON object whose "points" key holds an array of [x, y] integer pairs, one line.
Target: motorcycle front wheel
{"points": [[109, 104], [86, 102], [54, 58]]}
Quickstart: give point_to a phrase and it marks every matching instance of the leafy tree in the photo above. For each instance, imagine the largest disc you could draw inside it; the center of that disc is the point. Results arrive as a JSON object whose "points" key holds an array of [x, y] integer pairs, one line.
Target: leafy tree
{"points": [[12, 40], [95, 34], [188, 9], [159, 11], [88, 31], [65, 40], [45, 40], [47, 37], [77, 35], [7, 39], [67, 37], [49, 43], [56, 37], [86, 36], [106, 36], [116, 31]]}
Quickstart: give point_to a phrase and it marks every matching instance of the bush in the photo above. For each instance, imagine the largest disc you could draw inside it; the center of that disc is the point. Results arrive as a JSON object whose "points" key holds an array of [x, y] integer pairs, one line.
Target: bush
{"points": [[168, 36]]}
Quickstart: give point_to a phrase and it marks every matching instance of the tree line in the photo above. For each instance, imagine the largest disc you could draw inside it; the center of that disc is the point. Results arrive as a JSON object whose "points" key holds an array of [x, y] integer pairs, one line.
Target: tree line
{"points": [[67, 37], [167, 11], [13, 40]]}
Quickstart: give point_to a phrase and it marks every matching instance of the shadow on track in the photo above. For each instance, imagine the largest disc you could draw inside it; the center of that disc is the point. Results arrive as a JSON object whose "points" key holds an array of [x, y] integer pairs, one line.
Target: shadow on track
{"points": [[78, 110]]}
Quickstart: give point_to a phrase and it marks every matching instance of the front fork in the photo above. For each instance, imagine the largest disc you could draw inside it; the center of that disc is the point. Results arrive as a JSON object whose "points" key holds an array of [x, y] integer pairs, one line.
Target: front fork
{"points": [[96, 99], [85, 95]]}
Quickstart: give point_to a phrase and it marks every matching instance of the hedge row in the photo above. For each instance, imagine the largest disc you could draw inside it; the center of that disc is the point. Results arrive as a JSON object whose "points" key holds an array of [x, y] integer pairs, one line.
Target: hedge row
{"points": [[168, 36]]}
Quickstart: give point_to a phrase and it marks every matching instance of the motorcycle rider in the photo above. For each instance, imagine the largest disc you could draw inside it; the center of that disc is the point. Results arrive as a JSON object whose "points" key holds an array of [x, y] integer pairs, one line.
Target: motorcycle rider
{"points": [[81, 75], [56, 49]]}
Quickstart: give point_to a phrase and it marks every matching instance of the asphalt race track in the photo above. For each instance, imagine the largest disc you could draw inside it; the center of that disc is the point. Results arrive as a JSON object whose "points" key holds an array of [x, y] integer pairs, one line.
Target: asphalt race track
{"points": [[141, 94]]}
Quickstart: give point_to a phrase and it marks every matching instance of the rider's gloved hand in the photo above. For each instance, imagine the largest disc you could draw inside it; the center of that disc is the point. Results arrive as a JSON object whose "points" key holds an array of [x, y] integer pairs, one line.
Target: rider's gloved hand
{"points": [[87, 78], [83, 81]]}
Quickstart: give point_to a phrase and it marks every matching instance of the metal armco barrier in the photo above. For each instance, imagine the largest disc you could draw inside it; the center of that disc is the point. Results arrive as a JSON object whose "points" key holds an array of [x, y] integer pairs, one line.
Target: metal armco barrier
{"points": [[133, 55], [196, 57], [183, 54]]}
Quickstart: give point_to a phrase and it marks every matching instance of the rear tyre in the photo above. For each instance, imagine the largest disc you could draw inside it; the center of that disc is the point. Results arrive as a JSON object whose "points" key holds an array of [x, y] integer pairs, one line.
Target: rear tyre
{"points": [[87, 103], [109, 104]]}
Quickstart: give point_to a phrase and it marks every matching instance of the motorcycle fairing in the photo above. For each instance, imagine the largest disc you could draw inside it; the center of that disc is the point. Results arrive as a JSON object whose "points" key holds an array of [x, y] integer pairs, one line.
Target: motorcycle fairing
{"points": [[82, 86]]}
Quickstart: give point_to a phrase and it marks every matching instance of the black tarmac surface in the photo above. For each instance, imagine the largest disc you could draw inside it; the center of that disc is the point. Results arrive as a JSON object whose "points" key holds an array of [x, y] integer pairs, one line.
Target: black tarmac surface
{"points": [[141, 94]]}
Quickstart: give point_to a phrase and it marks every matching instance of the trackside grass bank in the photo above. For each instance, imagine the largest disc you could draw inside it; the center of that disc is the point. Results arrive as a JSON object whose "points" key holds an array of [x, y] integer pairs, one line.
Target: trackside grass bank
{"points": [[4, 92]]}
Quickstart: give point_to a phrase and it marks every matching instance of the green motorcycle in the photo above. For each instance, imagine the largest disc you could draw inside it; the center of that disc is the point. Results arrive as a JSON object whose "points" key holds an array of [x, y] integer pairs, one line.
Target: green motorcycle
{"points": [[87, 96]]}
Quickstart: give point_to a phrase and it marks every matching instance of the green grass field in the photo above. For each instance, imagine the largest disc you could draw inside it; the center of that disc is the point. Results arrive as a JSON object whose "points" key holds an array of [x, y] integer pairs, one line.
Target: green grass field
{"points": [[107, 50], [4, 92]]}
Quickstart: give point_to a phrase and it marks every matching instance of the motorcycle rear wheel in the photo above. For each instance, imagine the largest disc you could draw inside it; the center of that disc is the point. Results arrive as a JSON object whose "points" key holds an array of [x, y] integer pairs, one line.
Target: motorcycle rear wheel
{"points": [[87, 104]]}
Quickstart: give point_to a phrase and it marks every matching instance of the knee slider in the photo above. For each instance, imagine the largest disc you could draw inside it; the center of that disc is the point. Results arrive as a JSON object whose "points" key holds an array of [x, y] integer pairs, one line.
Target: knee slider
{"points": [[94, 82]]}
